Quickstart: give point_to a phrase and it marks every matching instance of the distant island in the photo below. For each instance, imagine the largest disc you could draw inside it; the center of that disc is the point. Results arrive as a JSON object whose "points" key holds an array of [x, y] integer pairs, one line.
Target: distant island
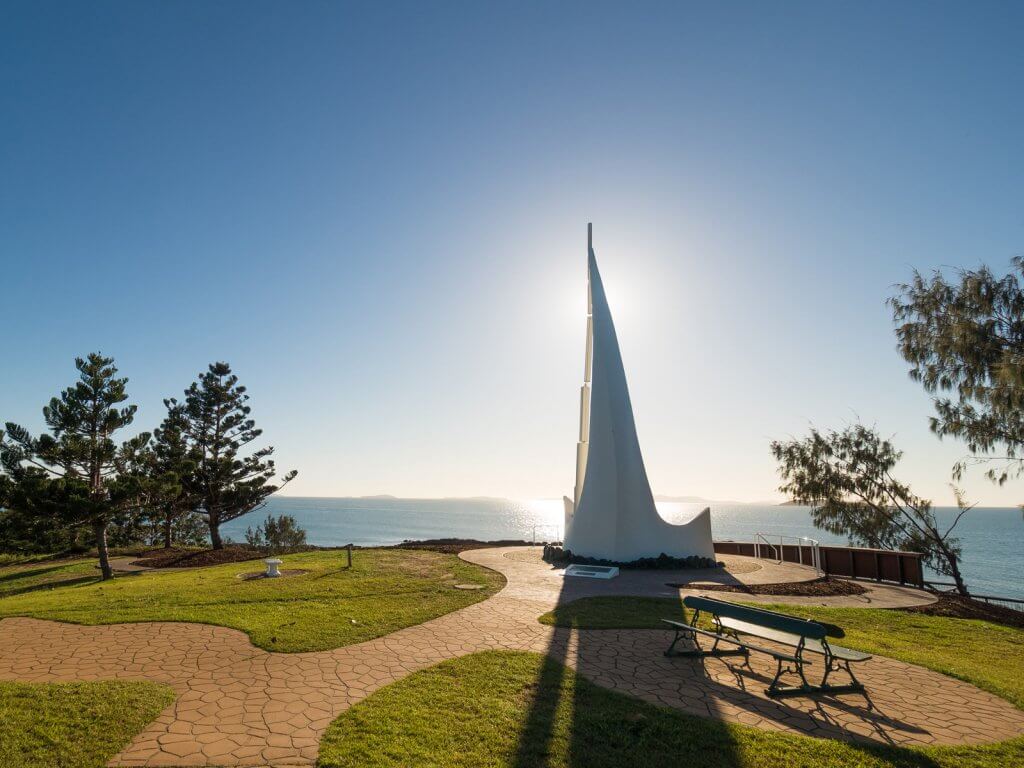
{"points": [[699, 500]]}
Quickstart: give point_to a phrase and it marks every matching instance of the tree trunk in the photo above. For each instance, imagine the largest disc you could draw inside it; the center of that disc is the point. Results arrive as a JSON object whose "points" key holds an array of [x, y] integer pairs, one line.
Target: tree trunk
{"points": [[167, 530], [215, 533], [954, 568], [100, 531]]}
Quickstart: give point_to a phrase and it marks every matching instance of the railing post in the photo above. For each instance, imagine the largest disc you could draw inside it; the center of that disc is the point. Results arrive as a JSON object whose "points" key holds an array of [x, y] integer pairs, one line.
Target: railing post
{"points": [[349, 548]]}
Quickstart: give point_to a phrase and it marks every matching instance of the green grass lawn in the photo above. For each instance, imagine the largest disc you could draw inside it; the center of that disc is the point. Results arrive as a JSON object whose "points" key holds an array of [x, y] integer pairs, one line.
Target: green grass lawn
{"points": [[991, 656], [74, 725], [327, 607], [512, 709]]}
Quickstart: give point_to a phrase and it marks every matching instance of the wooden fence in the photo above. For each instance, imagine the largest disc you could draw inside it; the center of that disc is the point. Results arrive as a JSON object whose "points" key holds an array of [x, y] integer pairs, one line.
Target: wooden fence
{"points": [[852, 562]]}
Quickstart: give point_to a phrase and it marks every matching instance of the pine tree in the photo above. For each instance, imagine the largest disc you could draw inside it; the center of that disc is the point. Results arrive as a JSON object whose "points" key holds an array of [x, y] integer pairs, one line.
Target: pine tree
{"points": [[170, 463], [227, 481], [77, 475]]}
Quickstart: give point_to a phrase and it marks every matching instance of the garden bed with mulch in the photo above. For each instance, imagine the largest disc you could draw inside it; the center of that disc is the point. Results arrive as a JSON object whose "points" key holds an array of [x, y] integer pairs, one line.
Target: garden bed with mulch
{"points": [[824, 587], [958, 607], [198, 558]]}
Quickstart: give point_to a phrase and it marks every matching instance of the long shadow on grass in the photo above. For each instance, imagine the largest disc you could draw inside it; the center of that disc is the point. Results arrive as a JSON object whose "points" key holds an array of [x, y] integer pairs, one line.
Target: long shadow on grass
{"points": [[48, 585], [29, 573]]}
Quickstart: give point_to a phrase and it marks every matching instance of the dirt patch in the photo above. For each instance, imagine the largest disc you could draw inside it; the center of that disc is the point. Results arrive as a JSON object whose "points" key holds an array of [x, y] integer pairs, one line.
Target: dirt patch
{"points": [[739, 564], [454, 546], [191, 558], [532, 555], [958, 607], [263, 574], [824, 587]]}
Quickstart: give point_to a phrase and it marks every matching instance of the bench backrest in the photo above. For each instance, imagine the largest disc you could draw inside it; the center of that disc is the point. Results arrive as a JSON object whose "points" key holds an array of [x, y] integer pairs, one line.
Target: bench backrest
{"points": [[769, 619]]}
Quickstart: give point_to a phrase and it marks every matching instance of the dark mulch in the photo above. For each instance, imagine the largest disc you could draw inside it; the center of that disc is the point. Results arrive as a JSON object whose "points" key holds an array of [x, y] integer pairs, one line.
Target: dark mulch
{"points": [[958, 607], [191, 558], [824, 587], [454, 546]]}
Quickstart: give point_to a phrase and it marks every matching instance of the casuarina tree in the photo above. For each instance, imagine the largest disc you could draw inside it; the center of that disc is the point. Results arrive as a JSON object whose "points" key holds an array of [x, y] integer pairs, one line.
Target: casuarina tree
{"points": [[77, 475], [230, 478], [846, 478], [964, 340]]}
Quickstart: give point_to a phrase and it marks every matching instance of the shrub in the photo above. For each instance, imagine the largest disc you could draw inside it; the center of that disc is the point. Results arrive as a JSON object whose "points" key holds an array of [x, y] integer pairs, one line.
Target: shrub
{"points": [[557, 555], [276, 535]]}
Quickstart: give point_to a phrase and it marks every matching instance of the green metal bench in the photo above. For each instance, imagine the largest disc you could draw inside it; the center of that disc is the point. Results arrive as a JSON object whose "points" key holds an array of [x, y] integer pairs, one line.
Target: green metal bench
{"points": [[733, 623]]}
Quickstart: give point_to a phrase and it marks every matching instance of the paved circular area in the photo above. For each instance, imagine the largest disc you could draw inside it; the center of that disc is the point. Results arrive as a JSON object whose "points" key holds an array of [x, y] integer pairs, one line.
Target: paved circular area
{"points": [[240, 705]]}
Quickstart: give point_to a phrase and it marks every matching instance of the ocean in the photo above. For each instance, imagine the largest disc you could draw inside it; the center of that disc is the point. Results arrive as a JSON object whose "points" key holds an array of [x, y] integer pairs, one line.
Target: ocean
{"points": [[992, 538]]}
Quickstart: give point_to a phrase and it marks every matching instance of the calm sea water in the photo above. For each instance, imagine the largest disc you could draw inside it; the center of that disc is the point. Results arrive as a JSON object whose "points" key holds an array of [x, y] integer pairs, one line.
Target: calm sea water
{"points": [[992, 538]]}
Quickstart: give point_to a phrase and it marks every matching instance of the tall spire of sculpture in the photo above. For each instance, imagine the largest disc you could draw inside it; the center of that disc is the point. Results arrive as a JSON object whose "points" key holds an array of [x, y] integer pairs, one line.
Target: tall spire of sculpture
{"points": [[612, 515]]}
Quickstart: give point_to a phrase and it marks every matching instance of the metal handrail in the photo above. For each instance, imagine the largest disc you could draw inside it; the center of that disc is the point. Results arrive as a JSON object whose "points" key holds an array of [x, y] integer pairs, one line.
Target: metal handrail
{"points": [[801, 542], [760, 537]]}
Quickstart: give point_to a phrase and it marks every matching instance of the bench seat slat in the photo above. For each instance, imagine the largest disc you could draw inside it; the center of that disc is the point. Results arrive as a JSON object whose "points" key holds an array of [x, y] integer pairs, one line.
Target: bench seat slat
{"points": [[786, 638], [683, 627], [777, 621]]}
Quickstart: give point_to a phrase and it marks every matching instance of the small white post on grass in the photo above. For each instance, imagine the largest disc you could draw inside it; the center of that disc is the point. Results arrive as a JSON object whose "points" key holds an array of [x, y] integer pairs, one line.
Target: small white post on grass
{"points": [[272, 563]]}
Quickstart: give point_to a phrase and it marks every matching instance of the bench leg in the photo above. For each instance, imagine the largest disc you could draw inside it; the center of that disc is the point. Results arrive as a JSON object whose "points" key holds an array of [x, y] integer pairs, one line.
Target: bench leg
{"points": [[806, 689], [831, 664], [775, 690], [697, 651], [679, 636]]}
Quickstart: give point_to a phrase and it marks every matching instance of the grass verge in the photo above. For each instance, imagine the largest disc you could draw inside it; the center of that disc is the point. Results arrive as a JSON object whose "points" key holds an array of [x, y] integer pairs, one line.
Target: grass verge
{"points": [[327, 607], [74, 725], [988, 655], [512, 709]]}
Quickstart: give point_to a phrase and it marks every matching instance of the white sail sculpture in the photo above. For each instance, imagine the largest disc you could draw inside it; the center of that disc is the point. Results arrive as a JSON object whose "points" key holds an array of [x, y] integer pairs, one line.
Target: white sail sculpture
{"points": [[612, 515]]}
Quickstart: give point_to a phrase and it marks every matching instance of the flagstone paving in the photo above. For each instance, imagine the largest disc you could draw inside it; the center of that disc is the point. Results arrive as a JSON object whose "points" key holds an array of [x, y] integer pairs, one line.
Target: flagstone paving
{"points": [[240, 705]]}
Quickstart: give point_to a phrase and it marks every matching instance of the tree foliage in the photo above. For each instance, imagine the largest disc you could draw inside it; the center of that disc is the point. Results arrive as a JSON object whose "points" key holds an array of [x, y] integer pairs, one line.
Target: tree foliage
{"points": [[846, 478], [276, 535], [170, 463], [964, 340], [77, 475], [229, 480]]}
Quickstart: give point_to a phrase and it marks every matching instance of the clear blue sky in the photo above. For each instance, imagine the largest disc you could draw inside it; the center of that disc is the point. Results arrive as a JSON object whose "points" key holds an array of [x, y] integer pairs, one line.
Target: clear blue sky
{"points": [[376, 213]]}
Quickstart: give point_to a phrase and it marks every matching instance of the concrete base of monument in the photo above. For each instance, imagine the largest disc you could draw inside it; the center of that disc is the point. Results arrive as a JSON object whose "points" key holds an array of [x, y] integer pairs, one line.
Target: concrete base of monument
{"points": [[592, 571]]}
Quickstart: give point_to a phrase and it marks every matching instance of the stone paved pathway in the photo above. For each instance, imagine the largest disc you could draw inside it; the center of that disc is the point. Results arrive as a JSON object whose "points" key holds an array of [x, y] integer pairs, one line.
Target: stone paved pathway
{"points": [[240, 705]]}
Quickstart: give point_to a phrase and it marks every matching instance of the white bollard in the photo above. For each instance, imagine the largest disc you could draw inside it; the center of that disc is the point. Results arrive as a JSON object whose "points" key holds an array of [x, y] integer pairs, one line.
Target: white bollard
{"points": [[272, 563]]}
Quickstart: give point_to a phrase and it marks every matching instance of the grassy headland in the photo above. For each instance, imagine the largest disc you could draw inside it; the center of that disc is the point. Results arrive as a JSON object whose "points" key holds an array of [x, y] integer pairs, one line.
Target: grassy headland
{"points": [[326, 607]]}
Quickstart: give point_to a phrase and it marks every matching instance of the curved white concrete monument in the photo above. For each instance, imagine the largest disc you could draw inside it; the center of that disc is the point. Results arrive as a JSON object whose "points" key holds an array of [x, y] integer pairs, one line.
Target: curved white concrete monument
{"points": [[613, 516]]}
